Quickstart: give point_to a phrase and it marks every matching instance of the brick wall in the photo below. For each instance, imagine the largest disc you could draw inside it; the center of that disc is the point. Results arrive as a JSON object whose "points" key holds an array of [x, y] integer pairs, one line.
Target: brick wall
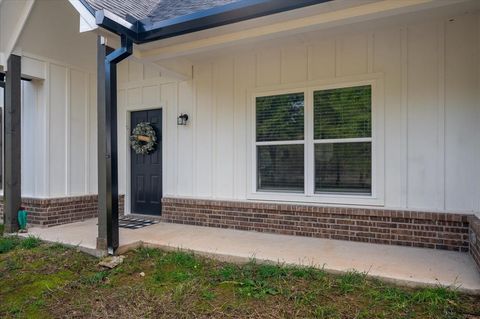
{"points": [[392, 227], [474, 224], [64, 210]]}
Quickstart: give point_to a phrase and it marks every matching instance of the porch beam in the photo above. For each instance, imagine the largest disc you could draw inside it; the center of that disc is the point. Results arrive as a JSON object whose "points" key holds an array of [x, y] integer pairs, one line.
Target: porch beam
{"points": [[12, 144], [107, 60]]}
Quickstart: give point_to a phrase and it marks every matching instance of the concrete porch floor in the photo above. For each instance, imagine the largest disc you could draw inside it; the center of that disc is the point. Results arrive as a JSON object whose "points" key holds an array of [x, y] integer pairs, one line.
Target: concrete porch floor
{"points": [[402, 265]]}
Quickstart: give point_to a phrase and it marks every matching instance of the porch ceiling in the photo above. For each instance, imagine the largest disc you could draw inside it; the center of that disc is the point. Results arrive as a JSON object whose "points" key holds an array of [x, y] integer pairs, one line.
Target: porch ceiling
{"points": [[317, 18], [186, 38], [187, 17]]}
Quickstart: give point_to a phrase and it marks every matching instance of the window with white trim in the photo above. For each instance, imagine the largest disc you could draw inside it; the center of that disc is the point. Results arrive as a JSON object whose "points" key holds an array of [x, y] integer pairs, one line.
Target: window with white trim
{"points": [[343, 140], [280, 139], [340, 141]]}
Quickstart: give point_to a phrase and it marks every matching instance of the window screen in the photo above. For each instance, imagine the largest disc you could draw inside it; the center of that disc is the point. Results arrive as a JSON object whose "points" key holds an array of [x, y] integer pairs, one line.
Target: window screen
{"points": [[280, 117], [280, 142], [343, 168], [280, 168], [343, 113], [342, 132]]}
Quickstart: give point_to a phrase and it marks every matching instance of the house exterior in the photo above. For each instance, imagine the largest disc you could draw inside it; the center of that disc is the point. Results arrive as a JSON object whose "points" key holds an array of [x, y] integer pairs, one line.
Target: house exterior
{"points": [[351, 120]]}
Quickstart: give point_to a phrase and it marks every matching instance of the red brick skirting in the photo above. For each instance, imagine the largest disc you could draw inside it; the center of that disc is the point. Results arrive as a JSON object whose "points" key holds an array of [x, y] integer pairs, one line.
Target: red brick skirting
{"points": [[63, 210], [393, 227], [475, 239]]}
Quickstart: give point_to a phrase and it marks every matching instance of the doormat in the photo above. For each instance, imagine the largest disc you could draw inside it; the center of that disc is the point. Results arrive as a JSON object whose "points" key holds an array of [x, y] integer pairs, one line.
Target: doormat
{"points": [[135, 223]]}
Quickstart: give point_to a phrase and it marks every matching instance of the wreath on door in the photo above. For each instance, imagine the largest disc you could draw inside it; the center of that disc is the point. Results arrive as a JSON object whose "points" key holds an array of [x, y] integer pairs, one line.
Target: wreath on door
{"points": [[143, 139]]}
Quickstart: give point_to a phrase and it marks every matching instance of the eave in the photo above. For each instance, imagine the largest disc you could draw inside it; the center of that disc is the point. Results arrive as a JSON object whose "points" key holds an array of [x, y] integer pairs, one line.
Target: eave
{"points": [[145, 31]]}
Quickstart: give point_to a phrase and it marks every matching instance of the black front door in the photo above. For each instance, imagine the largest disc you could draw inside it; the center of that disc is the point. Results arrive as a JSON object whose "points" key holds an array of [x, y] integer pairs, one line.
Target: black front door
{"points": [[146, 170]]}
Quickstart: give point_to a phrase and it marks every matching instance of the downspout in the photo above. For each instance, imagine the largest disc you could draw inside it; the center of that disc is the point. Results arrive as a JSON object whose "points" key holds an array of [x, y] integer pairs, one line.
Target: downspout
{"points": [[108, 233]]}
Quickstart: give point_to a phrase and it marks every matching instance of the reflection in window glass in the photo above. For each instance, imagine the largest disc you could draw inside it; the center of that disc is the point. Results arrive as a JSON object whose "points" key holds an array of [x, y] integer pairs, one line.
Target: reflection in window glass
{"points": [[280, 168], [343, 168], [280, 117], [343, 113]]}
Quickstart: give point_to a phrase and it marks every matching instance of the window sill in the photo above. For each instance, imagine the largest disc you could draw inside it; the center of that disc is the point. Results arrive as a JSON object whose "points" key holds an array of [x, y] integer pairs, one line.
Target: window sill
{"points": [[336, 199]]}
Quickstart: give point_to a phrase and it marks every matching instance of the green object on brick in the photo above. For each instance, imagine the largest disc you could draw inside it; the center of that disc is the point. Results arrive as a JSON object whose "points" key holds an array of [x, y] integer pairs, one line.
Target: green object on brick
{"points": [[22, 219]]}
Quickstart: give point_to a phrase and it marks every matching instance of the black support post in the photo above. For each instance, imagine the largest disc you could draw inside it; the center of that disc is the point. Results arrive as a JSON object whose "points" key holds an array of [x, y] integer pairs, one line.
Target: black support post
{"points": [[107, 59], [12, 144], [103, 210]]}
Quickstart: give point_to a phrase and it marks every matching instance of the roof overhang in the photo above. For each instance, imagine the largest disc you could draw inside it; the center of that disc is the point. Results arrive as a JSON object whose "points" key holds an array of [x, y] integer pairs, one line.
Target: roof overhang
{"points": [[144, 31], [171, 45]]}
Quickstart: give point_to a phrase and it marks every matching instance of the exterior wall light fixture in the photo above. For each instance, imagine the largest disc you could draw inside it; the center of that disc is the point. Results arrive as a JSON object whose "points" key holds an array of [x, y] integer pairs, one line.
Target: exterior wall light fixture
{"points": [[182, 119]]}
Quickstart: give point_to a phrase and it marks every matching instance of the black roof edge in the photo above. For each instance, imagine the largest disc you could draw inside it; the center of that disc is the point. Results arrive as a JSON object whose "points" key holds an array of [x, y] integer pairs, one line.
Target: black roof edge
{"points": [[117, 25], [144, 31], [218, 16]]}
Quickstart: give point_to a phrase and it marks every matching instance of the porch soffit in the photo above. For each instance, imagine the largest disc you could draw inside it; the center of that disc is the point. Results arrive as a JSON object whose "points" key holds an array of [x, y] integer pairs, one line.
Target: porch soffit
{"points": [[315, 15], [190, 42], [314, 19], [149, 20], [199, 49]]}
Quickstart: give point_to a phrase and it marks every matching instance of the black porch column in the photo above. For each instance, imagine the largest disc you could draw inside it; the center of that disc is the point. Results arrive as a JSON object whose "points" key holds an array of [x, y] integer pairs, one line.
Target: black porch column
{"points": [[102, 141], [107, 59], [12, 197]]}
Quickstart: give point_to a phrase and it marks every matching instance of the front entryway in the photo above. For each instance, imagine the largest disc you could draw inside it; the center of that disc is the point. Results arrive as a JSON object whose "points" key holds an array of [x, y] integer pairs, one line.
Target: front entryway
{"points": [[146, 170]]}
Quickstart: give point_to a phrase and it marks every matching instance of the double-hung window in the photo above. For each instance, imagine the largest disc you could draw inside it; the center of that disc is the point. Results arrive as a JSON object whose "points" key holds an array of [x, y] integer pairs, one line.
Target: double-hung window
{"points": [[280, 142], [343, 140], [330, 156]]}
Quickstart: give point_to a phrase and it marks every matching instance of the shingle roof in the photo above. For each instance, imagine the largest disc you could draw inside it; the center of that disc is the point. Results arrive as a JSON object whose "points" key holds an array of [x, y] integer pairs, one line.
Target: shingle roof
{"points": [[155, 10], [168, 9], [138, 9]]}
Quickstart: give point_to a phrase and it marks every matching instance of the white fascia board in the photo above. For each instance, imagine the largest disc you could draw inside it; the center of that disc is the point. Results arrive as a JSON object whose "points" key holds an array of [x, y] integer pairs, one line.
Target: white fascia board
{"points": [[87, 20], [112, 16], [85, 26]]}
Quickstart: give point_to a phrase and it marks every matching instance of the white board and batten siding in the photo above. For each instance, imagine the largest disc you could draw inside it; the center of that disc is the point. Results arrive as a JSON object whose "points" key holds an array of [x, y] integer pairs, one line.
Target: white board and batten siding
{"points": [[58, 132], [430, 74], [142, 88], [429, 71]]}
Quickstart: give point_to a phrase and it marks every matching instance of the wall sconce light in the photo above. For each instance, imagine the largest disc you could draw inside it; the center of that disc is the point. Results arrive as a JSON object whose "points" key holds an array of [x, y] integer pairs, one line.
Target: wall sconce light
{"points": [[182, 119]]}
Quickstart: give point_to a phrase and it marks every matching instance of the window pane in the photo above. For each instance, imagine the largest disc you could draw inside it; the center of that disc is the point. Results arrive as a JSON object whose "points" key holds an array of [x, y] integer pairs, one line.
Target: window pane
{"points": [[343, 168], [280, 117], [343, 113], [280, 168]]}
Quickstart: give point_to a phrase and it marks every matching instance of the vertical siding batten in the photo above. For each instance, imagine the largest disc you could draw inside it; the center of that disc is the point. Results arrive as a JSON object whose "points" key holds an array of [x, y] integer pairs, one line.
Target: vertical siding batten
{"points": [[68, 132], [223, 80], [422, 120], [404, 118], [87, 132], [461, 109], [440, 205], [46, 95]]}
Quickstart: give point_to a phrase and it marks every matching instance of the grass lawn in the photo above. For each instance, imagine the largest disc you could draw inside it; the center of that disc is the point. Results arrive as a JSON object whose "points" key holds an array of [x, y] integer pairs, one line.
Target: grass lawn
{"points": [[40, 280]]}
